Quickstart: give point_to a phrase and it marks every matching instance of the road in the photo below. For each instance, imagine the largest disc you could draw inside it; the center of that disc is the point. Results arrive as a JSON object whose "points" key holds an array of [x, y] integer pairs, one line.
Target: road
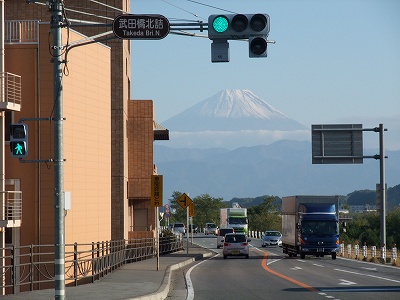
{"points": [[269, 273]]}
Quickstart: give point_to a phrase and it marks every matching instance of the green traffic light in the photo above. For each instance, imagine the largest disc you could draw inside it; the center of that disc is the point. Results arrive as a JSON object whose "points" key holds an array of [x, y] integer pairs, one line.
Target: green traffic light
{"points": [[220, 24], [18, 148]]}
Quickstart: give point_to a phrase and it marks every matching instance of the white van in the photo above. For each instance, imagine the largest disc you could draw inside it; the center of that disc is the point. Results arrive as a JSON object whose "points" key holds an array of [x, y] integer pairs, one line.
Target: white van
{"points": [[221, 235]]}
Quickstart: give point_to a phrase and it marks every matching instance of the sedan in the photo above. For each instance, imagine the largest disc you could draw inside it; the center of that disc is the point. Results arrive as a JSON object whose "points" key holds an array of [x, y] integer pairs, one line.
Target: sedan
{"points": [[271, 237], [236, 244]]}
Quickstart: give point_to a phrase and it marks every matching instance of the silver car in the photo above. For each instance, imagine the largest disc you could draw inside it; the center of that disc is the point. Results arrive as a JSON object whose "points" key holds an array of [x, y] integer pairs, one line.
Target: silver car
{"points": [[271, 237], [236, 244], [179, 228], [211, 228], [221, 235]]}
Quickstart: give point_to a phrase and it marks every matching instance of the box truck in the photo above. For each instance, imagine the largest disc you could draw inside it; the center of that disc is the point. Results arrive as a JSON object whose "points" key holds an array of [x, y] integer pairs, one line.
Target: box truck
{"points": [[234, 217], [310, 225]]}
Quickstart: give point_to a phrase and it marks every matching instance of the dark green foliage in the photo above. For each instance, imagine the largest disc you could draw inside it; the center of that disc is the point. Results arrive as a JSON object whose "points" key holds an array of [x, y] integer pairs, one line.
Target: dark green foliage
{"points": [[206, 210], [365, 228], [265, 216]]}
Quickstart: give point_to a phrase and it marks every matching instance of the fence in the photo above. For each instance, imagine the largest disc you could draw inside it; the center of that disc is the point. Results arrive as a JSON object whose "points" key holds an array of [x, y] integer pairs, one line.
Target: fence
{"points": [[30, 268], [371, 253]]}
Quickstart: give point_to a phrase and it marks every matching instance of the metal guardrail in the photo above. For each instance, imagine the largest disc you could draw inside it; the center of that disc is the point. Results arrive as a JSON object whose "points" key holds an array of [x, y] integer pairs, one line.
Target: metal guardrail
{"points": [[370, 253], [30, 268]]}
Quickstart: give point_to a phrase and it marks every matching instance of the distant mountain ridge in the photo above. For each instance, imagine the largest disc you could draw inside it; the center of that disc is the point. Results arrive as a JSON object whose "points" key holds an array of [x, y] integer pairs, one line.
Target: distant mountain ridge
{"points": [[231, 110], [282, 168]]}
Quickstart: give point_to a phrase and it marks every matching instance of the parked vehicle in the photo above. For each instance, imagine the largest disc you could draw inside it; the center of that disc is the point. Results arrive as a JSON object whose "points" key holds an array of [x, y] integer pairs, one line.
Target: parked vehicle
{"points": [[310, 225], [211, 228], [179, 228], [221, 235], [236, 244], [193, 228], [234, 217], [271, 237]]}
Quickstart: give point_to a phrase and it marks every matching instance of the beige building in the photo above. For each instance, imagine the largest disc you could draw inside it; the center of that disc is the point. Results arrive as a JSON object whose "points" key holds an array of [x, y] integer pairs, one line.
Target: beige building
{"points": [[108, 138]]}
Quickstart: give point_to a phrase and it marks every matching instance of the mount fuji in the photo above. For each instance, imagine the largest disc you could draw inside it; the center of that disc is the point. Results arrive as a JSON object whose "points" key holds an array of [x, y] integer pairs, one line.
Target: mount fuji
{"points": [[232, 119], [231, 110]]}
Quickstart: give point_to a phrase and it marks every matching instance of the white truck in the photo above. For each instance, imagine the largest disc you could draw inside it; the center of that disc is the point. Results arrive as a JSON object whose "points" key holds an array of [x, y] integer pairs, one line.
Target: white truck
{"points": [[236, 218]]}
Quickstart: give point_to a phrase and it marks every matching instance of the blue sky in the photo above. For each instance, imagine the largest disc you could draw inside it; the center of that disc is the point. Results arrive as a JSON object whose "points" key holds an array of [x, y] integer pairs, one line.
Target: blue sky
{"points": [[334, 61]]}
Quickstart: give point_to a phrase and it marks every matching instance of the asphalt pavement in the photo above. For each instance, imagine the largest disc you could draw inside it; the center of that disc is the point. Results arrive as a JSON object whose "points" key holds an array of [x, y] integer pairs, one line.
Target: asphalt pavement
{"points": [[137, 280]]}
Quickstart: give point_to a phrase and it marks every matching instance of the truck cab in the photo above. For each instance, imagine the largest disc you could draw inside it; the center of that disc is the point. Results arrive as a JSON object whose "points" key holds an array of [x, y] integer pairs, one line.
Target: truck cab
{"points": [[318, 230], [310, 225]]}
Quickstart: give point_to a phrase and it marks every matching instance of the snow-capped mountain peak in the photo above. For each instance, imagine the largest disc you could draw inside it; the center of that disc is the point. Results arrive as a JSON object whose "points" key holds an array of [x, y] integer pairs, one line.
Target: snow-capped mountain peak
{"points": [[231, 110], [236, 104]]}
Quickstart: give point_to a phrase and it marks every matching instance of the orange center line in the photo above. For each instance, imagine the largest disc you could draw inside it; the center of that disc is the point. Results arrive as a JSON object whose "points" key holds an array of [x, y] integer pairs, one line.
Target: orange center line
{"points": [[303, 285]]}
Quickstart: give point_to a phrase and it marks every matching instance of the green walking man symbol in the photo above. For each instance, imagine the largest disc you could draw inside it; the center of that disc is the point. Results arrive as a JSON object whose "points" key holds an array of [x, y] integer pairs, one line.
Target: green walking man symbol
{"points": [[18, 149]]}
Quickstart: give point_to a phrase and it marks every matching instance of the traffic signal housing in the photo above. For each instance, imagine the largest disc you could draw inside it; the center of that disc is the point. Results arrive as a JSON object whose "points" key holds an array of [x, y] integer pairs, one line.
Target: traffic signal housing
{"points": [[19, 140], [254, 27]]}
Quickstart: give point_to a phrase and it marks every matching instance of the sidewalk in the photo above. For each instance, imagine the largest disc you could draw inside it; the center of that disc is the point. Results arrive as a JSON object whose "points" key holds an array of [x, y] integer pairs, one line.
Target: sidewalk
{"points": [[138, 280]]}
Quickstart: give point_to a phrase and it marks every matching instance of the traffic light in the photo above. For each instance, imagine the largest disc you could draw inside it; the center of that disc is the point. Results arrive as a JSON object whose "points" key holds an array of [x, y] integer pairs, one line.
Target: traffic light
{"points": [[19, 140], [254, 27]]}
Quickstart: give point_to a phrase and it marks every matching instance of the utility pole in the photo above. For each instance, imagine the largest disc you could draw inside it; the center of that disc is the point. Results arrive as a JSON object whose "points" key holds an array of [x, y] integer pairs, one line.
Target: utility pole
{"points": [[59, 230], [2, 143], [382, 186]]}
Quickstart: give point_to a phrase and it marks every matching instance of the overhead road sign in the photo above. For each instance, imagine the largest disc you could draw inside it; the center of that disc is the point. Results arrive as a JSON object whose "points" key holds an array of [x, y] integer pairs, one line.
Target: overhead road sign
{"points": [[337, 144], [141, 27], [184, 201]]}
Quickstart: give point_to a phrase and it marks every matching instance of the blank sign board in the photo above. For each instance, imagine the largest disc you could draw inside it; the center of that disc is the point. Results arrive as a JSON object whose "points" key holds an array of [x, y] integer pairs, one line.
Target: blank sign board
{"points": [[337, 144]]}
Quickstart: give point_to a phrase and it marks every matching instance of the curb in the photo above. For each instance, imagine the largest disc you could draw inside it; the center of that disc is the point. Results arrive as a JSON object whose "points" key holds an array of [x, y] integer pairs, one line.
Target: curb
{"points": [[163, 291]]}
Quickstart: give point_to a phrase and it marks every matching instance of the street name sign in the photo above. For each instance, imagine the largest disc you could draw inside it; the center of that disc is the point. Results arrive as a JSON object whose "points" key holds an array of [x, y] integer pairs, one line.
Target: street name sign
{"points": [[141, 27], [156, 190], [191, 210], [184, 201]]}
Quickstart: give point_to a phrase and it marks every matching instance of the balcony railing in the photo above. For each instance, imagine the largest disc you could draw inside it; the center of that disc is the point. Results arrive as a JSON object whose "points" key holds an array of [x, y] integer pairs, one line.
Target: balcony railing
{"points": [[21, 31], [10, 91], [12, 214]]}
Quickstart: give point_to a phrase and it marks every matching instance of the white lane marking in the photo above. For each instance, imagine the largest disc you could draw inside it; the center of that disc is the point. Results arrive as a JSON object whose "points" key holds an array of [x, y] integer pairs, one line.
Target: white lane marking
{"points": [[296, 268], [302, 261], [369, 269], [317, 265], [270, 260], [346, 282], [189, 284], [373, 276]]}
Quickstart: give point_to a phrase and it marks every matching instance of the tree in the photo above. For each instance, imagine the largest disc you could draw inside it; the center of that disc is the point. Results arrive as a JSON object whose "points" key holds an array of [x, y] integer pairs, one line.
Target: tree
{"points": [[265, 216], [393, 227], [206, 209]]}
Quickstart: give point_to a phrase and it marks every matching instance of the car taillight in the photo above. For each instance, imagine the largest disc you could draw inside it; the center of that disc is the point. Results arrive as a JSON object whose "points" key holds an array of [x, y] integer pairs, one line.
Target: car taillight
{"points": [[244, 244], [226, 244], [301, 241]]}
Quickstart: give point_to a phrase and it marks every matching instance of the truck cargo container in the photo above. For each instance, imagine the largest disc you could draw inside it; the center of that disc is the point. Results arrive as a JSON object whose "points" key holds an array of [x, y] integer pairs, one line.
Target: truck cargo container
{"points": [[310, 225]]}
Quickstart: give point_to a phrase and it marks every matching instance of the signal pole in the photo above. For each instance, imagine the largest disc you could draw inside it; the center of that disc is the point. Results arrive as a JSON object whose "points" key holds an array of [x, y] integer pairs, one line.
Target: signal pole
{"points": [[59, 230]]}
